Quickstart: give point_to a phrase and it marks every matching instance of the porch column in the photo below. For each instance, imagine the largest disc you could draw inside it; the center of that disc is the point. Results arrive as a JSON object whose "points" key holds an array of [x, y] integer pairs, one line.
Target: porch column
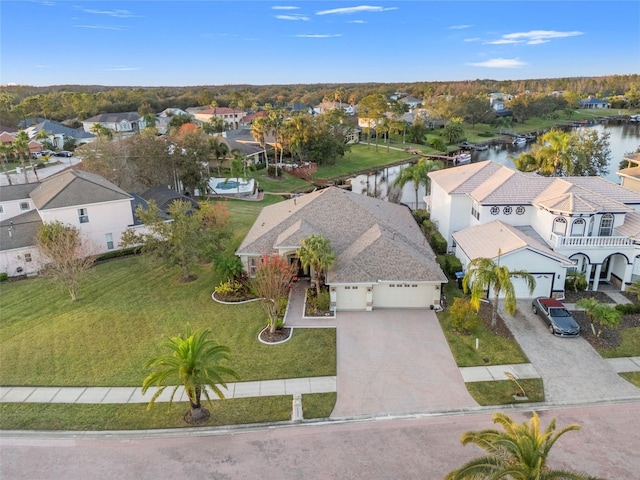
{"points": [[596, 278], [626, 277], [580, 263], [587, 273]]}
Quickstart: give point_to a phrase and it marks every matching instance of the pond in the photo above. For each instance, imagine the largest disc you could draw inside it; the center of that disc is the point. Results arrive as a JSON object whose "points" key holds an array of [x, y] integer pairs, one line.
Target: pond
{"points": [[624, 138]]}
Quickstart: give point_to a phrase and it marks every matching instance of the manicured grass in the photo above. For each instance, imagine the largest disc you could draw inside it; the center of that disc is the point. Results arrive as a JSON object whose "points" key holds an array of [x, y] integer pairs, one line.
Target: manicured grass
{"points": [[285, 184], [501, 392], [362, 158], [633, 377], [235, 411], [126, 309], [629, 345], [318, 405]]}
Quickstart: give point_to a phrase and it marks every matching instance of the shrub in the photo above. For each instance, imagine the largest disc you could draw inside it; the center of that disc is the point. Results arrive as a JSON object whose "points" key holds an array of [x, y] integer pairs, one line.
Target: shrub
{"points": [[317, 305], [452, 264], [628, 308], [463, 316], [125, 252], [485, 134], [420, 215], [576, 281], [438, 243], [4, 277], [427, 228], [233, 290], [228, 266]]}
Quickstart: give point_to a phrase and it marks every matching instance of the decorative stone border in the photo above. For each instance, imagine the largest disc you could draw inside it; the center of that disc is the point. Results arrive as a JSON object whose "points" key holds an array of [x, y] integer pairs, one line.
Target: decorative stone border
{"points": [[275, 343], [213, 296]]}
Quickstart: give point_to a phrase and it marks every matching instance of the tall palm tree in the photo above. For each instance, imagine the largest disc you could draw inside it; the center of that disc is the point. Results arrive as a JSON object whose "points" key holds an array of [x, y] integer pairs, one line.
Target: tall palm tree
{"points": [[484, 273], [316, 252], [519, 451], [259, 131], [418, 173], [195, 362], [6, 149], [21, 149]]}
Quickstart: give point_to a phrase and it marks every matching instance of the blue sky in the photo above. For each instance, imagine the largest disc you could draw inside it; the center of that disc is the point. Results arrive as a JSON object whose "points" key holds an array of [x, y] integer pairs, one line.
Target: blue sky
{"points": [[172, 43]]}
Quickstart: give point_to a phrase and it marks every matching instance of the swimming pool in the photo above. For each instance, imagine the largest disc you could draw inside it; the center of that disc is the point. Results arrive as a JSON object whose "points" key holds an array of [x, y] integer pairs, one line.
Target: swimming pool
{"points": [[229, 185]]}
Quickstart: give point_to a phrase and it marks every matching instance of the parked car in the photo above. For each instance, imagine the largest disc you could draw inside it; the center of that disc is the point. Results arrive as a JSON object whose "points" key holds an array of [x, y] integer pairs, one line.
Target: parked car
{"points": [[64, 153], [558, 319]]}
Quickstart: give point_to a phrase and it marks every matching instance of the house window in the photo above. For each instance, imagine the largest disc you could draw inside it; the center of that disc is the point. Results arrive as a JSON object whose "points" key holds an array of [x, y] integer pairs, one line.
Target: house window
{"points": [[606, 225], [560, 226], [27, 257], [520, 210], [24, 205], [83, 215], [109, 239], [495, 210], [475, 210], [578, 227], [507, 210], [1, 209], [252, 267]]}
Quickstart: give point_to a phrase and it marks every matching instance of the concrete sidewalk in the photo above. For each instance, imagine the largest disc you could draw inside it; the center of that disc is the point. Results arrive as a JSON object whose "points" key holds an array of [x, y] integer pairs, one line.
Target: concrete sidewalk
{"points": [[106, 395]]}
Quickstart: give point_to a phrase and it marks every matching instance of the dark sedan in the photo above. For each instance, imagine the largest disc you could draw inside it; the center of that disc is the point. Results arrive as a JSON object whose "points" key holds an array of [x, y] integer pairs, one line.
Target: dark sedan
{"points": [[558, 319], [64, 153]]}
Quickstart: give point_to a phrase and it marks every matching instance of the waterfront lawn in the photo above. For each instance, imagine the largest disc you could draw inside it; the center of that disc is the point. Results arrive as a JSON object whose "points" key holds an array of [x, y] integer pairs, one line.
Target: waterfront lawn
{"points": [[285, 184], [362, 158]]}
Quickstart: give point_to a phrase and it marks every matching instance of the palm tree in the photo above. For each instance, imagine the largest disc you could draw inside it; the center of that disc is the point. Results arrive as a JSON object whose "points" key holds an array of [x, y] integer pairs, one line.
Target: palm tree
{"points": [[259, 130], [602, 314], [6, 149], [219, 149], [520, 451], [634, 288], [316, 252], [418, 174], [21, 149], [484, 273], [195, 362]]}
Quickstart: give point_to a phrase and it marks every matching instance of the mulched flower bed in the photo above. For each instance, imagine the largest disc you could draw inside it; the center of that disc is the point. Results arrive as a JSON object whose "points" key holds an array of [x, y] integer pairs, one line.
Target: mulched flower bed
{"points": [[573, 297], [500, 329], [231, 298], [279, 335], [609, 338]]}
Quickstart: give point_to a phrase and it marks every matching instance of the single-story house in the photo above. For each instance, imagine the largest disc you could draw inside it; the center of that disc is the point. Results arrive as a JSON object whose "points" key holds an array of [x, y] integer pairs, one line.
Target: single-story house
{"points": [[594, 103], [125, 122], [382, 258], [59, 133]]}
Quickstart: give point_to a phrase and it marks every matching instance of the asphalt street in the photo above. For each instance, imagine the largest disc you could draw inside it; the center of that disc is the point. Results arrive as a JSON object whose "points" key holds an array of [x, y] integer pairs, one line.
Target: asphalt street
{"points": [[402, 448]]}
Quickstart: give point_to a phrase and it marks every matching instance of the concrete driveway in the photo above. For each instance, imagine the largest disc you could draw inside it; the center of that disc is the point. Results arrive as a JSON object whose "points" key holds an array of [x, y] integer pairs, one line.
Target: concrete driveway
{"points": [[571, 369], [395, 362]]}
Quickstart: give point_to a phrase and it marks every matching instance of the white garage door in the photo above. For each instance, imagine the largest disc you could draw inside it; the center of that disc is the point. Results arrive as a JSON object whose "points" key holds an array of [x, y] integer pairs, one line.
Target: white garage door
{"points": [[543, 286], [351, 297], [401, 295]]}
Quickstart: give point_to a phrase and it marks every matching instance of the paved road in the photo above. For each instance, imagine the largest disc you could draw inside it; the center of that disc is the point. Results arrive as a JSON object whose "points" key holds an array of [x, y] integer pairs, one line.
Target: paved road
{"points": [[393, 362], [425, 448], [571, 369]]}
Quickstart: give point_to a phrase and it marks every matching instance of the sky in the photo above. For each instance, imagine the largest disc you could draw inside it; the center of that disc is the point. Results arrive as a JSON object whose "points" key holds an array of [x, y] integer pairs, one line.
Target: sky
{"points": [[208, 42]]}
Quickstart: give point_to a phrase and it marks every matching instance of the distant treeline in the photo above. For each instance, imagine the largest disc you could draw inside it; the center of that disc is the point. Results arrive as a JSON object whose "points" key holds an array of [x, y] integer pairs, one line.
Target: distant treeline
{"points": [[64, 102]]}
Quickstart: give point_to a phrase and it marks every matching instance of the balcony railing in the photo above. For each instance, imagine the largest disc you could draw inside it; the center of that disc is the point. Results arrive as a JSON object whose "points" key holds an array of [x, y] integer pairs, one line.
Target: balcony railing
{"points": [[558, 241]]}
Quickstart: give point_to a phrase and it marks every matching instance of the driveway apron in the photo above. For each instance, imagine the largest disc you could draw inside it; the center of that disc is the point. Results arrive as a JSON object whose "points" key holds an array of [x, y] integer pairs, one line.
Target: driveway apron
{"points": [[395, 362], [571, 369]]}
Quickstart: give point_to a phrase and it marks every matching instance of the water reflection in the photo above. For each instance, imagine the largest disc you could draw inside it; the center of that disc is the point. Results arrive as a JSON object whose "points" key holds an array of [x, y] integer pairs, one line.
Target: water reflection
{"points": [[624, 138]]}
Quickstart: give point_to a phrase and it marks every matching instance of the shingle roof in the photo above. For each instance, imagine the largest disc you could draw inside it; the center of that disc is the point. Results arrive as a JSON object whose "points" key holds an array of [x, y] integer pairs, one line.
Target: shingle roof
{"points": [[373, 239], [50, 126], [487, 239], [20, 231], [163, 197], [75, 187], [16, 192]]}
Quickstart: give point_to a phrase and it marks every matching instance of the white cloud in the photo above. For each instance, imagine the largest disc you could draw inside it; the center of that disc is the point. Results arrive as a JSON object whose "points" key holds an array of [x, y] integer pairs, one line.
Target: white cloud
{"points": [[533, 37], [500, 63], [293, 17], [110, 13], [121, 68], [474, 39], [356, 21], [459, 27], [359, 9], [319, 35], [284, 7], [100, 27]]}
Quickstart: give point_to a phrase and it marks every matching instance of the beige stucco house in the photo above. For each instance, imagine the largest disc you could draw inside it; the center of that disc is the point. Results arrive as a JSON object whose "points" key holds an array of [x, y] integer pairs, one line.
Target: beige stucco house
{"points": [[382, 258]]}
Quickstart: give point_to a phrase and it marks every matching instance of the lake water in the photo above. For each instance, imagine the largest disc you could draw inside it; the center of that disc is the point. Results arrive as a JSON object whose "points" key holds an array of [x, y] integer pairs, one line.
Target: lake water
{"points": [[624, 138]]}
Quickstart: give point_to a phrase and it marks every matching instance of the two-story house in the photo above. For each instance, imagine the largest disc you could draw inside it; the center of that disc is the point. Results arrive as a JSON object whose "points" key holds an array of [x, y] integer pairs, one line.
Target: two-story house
{"points": [[99, 209], [229, 116], [545, 225], [124, 122]]}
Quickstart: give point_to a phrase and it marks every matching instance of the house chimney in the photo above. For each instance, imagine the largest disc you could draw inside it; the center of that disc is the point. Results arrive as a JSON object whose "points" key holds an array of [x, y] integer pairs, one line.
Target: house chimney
{"points": [[393, 236]]}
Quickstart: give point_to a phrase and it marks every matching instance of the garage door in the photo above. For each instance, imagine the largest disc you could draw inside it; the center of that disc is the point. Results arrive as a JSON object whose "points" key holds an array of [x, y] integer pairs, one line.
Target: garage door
{"points": [[544, 282], [401, 295], [351, 297]]}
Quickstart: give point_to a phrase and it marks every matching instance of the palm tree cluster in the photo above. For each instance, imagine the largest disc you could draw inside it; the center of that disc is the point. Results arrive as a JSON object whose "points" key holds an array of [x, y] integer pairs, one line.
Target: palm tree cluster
{"points": [[317, 253], [418, 173]]}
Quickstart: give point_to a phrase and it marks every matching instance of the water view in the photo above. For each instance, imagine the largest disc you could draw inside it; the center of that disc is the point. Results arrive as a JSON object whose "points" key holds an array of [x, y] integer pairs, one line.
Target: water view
{"points": [[624, 138]]}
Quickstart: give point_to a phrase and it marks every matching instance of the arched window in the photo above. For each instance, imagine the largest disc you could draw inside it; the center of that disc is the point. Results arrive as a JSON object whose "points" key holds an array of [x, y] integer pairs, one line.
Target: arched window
{"points": [[606, 225], [577, 227], [559, 226]]}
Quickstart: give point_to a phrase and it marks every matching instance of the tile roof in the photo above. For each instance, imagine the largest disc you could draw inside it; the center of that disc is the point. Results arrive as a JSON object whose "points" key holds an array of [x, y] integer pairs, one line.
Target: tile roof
{"points": [[585, 200], [20, 231], [75, 187], [466, 178], [220, 111], [605, 188], [633, 172], [631, 226], [373, 239], [487, 239]]}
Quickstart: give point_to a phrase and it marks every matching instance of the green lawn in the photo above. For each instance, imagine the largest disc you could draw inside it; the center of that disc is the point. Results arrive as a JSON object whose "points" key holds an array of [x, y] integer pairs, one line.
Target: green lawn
{"points": [[236, 411], [501, 392], [285, 184], [362, 158], [633, 377]]}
